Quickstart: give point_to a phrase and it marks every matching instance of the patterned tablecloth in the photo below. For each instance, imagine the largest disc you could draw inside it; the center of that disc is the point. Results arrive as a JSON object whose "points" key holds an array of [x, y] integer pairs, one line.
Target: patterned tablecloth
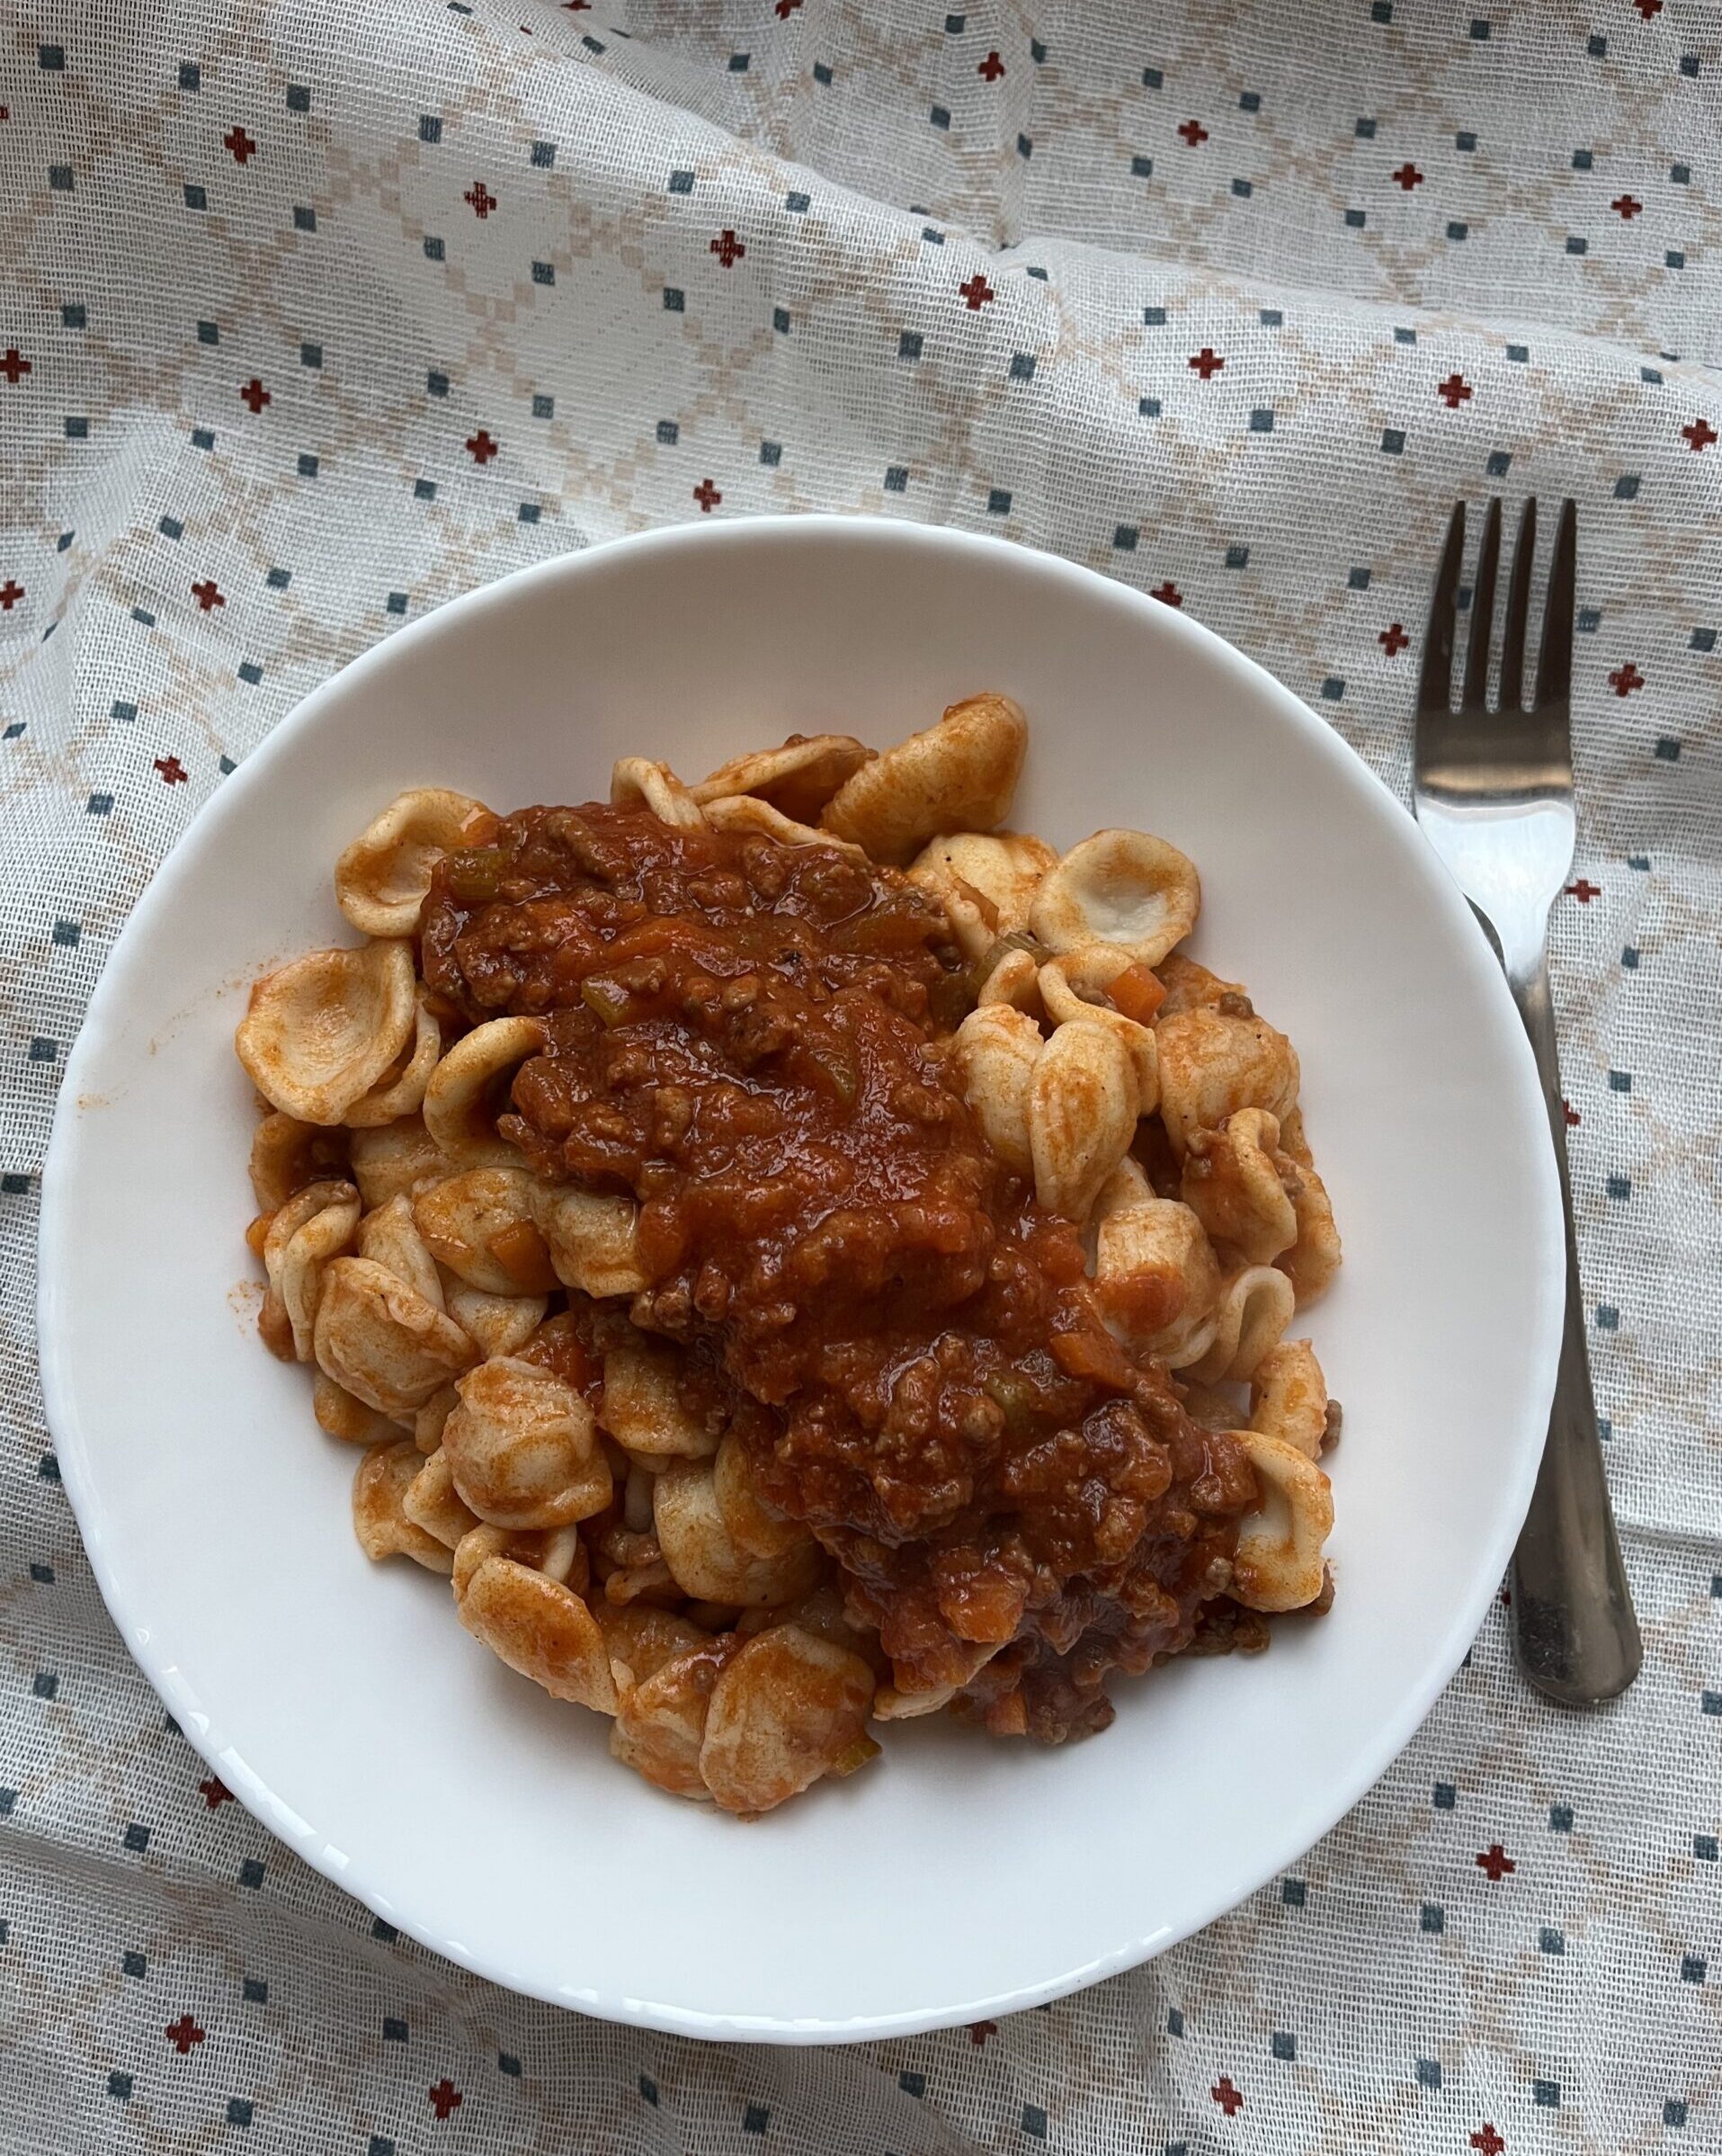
{"points": [[312, 316]]}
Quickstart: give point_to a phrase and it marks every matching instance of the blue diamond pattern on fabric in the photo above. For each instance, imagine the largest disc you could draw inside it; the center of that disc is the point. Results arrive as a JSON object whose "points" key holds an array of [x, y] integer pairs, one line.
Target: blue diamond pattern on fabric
{"points": [[1034, 2122], [1429, 2073]]}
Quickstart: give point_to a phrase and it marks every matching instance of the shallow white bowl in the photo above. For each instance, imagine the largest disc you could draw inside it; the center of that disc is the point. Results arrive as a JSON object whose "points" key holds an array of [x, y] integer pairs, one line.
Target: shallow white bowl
{"points": [[957, 1877]]}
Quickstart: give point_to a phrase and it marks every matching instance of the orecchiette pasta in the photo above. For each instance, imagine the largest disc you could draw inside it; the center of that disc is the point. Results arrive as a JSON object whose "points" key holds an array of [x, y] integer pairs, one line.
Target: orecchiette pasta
{"points": [[797, 780], [1083, 1098], [323, 1029], [522, 1448], [381, 879], [380, 1516], [957, 776], [1279, 1562], [382, 1340], [1121, 888], [872, 1301], [986, 880], [1214, 1062], [460, 1101]]}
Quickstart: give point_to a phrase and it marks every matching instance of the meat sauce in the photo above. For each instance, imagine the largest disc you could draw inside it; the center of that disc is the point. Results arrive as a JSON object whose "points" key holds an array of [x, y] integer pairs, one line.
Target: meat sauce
{"points": [[754, 1040]]}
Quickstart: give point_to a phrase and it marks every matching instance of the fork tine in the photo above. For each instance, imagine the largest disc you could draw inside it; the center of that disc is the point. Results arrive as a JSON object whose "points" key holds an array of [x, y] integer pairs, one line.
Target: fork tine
{"points": [[1476, 655], [1554, 667], [1512, 637], [1435, 685]]}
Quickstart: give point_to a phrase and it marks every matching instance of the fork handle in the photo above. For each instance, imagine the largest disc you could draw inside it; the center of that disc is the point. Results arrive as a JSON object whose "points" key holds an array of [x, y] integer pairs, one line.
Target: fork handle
{"points": [[1574, 1627]]}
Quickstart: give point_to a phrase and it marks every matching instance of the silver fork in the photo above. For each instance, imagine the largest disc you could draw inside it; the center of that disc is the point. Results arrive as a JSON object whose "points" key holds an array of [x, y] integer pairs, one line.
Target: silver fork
{"points": [[1494, 795]]}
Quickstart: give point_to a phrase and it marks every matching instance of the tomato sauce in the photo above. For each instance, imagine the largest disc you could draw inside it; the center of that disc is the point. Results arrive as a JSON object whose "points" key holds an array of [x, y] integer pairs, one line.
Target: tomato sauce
{"points": [[754, 1040]]}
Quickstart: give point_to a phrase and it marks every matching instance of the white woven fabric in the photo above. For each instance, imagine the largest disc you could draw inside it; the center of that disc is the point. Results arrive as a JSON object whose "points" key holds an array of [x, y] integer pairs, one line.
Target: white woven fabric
{"points": [[311, 317]]}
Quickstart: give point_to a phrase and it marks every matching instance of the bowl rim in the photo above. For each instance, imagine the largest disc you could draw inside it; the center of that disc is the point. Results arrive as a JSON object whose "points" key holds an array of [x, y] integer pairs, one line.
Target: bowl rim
{"points": [[1349, 772]]}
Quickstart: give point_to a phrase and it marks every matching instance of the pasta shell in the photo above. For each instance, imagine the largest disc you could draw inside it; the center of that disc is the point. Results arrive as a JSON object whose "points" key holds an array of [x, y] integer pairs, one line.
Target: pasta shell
{"points": [[382, 1341], [985, 880], [755, 1526], [541, 1629], [502, 1324], [1065, 1006], [1213, 1063], [1191, 987], [642, 1638], [591, 1236], [390, 1238], [1278, 1564], [1235, 1182], [637, 781], [524, 1448], [400, 1090], [1157, 1281], [704, 1559], [747, 812], [342, 1415], [1015, 979], [312, 1228], [786, 1710], [462, 1100], [1083, 1098], [996, 1050], [557, 1553], [1255, 1307], [379, 1520], [797, 779], [481, 1225], [1314, 1256], [642, 1406], [396, 1158], [428, 1420], [661, 1721], [433, 1503], [1289, 1397], [1124, 887], [381, 879], [287, 1154], [321, 1030], [959, 775]]}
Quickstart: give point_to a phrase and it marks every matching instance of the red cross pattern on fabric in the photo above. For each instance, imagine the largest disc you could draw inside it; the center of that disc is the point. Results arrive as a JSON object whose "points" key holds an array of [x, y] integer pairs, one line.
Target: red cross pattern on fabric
{"points": [[1570, 1115], [480, 448], [1207, 363], [577, 7], [1486, 2138], [1192, 132], [481, 199], [1626, 206], [445, 2097], [1700, 434], [1167, 593], [979, 2031], [173, 772], [786, 8], [239, 143], [707, 496], [183, 2034], [990, 68], [1495, 1862], [215, 1793], [976, 293], [255, 396], [11, 592], [1454, 391], [14, 366], [1648, 9], [727, 249], [1624, 679], [1393, 639], [1229, 2099], [1408, 177], [1584, 891], [208, 594]]}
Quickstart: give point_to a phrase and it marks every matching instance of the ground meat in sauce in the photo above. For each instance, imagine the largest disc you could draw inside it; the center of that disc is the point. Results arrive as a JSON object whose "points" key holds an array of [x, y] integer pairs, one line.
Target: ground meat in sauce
{"points": [[754, 1040]]}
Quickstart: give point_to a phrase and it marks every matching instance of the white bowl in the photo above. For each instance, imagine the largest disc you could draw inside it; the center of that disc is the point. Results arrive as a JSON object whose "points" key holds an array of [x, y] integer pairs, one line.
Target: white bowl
{"points": [[957, 1877]]}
